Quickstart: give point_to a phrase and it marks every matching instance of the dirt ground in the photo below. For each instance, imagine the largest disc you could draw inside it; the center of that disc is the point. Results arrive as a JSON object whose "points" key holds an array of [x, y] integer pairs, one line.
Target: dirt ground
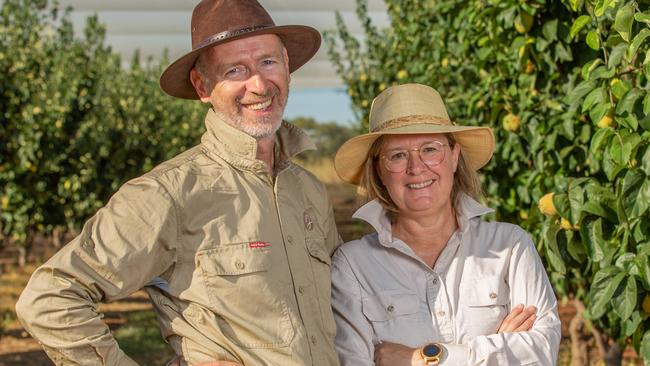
{"points": [[18, 348]]}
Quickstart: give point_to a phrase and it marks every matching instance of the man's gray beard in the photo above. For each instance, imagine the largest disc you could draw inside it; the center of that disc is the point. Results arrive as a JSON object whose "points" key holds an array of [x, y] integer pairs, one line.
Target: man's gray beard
{"points": [[262, 128]]}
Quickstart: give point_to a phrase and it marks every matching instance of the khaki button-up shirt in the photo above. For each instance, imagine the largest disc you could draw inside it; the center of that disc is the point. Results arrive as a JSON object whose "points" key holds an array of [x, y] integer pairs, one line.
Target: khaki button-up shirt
{"points": [[383, 292], [237, 261]]}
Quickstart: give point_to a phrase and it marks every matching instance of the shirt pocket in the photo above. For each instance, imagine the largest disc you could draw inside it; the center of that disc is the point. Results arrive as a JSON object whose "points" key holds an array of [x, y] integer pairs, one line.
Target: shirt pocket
{"points": [[484, 304], [250, 304], [321, 262], [391, 313]]}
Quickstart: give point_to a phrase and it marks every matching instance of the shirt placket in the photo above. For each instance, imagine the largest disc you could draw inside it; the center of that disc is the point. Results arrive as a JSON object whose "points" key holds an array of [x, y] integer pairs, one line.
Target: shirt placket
{"points": [[298, 259], [438, 294]]}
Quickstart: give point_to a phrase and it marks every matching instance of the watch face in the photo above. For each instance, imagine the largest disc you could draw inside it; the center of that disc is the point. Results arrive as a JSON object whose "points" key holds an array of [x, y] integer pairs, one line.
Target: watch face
{"points": [[431, 350]]}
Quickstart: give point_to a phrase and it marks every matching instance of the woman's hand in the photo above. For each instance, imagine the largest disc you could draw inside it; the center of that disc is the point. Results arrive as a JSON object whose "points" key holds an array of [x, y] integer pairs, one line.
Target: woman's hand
{"points": [[393, 354], [520, 319]]}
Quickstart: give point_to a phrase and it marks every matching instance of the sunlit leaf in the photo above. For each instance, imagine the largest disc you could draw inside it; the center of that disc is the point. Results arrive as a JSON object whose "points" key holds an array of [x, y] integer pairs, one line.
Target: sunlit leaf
{"points": [[623, 21], [636, 43], [593, 40], [578, 24]]}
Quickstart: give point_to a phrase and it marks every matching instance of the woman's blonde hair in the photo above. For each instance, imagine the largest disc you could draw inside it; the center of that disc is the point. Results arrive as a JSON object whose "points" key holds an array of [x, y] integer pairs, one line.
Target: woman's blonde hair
{"points": [[371, 187]]}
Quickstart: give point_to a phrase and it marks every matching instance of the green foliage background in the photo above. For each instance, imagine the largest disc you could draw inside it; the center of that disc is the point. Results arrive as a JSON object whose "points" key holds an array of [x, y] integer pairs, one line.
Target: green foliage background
{"points": [[542, 74], [75, 124]]}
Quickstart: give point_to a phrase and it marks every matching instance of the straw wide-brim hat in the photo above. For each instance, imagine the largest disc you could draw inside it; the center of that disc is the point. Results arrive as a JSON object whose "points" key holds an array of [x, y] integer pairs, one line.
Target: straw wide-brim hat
{"points": [[411, 109], [219, 21]]}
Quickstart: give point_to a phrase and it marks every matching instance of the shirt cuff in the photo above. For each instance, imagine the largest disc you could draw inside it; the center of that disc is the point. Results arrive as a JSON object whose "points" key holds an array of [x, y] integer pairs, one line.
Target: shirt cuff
{"points": [[456, 354]]}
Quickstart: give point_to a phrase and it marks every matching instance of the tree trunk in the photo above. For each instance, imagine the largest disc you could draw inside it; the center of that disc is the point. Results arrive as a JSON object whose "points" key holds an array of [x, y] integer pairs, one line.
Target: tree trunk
{"points": [[579, 343], [22, 256]]}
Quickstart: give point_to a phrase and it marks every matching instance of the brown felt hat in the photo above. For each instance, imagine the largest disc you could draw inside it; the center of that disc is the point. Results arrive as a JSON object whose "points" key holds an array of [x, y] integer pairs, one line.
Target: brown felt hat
{"points": [[411, 109], [219, 21]]}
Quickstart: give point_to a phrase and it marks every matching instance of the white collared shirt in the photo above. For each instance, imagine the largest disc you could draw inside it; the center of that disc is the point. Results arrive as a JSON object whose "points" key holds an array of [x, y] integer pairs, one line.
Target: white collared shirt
{"points": [[383, 292]]}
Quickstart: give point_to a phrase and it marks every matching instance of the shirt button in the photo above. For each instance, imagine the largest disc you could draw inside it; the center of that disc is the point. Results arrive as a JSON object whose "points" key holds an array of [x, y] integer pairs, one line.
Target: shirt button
{"points": [[313, 340], [290, 239], [435, 281], [441, 313], [390, 308], [240, 265], [493, 295], [301, 289]]}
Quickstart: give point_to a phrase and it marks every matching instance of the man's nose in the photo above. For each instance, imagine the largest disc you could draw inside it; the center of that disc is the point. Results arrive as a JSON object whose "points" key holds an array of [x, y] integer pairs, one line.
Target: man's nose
{"points": [[258, 84]]}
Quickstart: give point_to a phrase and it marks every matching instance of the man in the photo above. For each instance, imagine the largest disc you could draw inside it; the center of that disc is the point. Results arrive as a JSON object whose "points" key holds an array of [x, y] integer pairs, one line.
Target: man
{"points": [[233, 239]]}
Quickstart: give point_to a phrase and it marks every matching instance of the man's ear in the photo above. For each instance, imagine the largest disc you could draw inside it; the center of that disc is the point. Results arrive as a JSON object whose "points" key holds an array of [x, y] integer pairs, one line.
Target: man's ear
{"points": [[200, 85]]}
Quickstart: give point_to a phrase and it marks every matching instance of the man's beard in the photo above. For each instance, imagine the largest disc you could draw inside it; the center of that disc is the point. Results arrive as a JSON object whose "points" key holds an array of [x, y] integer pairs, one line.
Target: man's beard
{"points": [[259, 127]]}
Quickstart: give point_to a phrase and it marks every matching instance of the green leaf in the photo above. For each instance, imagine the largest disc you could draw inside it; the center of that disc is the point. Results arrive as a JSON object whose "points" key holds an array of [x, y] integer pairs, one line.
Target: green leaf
{"points": [[602, 73], [646, 104], [645, 347], [550, 30], [616, 55], [642, 18], [579, 24], [623, 21], [645, 164], [633, 182], [620, 87], [602, 289], [591, 232], [588, 67], [598, 95], [610, 165], [582, 89], [552, 250], [599, 138], [630, 326], [602, 6], [625, 303], [636, 43], [593, 40], [576, 199], [561, 203], [642, 265], [599, 111], [626, 104]]}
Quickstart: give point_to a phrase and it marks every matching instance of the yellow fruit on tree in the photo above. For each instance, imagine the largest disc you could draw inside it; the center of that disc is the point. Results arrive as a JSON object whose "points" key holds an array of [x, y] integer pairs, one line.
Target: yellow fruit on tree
{"points": [[511, 122], [530, 67], [546, 205], [606, 121], [566, 225]]}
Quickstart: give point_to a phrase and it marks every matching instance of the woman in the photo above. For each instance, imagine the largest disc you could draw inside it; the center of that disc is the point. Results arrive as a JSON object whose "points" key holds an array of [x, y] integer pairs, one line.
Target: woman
{"points": [[434, 284]]}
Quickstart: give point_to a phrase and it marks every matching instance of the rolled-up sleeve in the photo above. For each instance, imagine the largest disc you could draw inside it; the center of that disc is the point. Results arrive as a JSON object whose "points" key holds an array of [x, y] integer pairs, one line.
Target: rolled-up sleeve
{"points": [[128, 242], [353, 332], [529, 285]]}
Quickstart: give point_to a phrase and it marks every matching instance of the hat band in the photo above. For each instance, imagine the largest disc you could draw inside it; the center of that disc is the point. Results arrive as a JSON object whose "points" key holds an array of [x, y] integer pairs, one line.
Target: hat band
{"points": [[229, 34], [412, 120]]}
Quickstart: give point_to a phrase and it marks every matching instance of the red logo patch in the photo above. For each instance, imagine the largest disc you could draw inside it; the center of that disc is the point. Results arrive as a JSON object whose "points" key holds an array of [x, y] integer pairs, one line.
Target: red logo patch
{"points": [[258, 244]]}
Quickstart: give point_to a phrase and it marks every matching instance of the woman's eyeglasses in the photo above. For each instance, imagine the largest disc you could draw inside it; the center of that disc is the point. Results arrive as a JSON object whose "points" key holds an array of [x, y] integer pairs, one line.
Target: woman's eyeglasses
{"points": [[431, 154]]}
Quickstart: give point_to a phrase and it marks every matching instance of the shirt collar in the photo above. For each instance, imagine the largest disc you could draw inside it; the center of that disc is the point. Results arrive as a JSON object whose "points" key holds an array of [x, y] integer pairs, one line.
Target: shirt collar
{"points": [[375, 215], [239, 148]]}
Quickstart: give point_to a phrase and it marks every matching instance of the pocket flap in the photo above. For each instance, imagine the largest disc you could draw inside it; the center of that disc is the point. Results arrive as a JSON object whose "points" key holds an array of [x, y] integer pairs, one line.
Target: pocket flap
{"points": [[235, 259], [316, 250], [485, 291], [383, 307]]}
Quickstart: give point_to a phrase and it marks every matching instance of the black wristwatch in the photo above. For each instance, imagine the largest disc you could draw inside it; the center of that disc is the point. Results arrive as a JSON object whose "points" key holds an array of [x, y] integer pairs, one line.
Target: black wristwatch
{"points": [[431, 353]]}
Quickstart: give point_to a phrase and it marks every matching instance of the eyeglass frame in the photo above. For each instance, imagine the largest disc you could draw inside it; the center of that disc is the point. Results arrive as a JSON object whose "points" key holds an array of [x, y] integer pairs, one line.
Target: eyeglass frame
{"points": [[383, 156]]}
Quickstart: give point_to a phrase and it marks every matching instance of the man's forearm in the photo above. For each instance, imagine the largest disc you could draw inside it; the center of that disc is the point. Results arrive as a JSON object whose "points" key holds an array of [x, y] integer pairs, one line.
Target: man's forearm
{"points": [[62, 316]]}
